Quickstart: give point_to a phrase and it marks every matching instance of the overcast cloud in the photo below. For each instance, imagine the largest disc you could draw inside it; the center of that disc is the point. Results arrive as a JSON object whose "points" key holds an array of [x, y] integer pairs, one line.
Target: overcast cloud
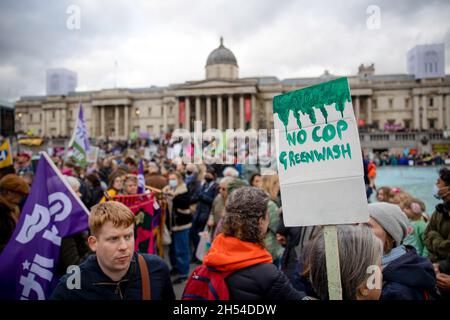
{"points": [[164, 42]]}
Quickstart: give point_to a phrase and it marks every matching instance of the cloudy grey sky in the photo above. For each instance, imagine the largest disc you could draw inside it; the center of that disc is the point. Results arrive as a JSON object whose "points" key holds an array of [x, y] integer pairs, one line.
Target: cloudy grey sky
{"points": [[168, 41]]}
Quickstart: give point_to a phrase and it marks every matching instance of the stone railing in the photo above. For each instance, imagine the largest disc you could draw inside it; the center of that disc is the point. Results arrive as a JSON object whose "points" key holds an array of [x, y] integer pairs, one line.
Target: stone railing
{"points": [[422, 141]]}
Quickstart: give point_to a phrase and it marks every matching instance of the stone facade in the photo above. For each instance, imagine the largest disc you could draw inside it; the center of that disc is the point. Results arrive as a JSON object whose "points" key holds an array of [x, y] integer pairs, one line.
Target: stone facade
{"points": [[223, 100]]}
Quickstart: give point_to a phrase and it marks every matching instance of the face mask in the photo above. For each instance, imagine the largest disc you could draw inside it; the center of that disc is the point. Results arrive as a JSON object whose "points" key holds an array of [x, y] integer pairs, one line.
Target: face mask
{"points": [[436, 192], [208, 179], [188, 173], [173, 183]]}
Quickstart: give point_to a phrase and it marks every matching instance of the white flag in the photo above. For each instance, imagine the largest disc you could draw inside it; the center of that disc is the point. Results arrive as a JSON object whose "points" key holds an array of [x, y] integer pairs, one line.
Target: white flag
{"points": [[79, 143]]}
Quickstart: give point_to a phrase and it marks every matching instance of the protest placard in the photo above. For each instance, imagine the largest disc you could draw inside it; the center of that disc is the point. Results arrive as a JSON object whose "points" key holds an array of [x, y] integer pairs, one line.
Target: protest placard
{"points": [[320, 164], [319, 156]]}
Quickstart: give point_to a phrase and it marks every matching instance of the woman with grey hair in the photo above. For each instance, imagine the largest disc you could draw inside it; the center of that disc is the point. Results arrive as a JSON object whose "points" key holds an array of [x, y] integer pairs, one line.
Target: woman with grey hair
{"points": [[360, 253], [74, 184], [239, 249], [218, 206]]}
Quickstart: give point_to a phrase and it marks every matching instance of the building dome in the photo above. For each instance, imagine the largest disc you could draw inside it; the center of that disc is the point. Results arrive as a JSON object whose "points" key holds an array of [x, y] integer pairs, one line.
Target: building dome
{"points": [[222, 64], [221, 55]]}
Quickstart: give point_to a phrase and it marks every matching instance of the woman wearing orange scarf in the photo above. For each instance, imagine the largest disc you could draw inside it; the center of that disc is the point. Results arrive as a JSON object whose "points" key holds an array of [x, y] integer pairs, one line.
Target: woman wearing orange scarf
{"points": [[240, 249]]}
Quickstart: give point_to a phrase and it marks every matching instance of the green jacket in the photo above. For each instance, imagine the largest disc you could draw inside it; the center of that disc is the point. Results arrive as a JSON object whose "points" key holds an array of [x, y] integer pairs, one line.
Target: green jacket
{"points": [[272, 245], [437, 234], [419, 227]]}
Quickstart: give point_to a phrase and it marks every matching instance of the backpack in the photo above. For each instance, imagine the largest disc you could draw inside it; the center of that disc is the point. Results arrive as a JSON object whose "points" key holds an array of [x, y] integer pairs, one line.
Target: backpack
{"points": [[206, 283]]}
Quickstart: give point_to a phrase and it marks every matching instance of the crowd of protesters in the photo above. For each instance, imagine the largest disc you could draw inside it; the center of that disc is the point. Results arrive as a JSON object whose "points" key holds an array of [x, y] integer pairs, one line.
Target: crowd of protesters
{"points": [[409, 158], [240, 210]]}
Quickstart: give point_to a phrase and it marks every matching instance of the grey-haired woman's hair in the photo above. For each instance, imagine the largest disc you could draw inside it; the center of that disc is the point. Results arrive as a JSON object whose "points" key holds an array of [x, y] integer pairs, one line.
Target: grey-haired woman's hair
{"points": [[244, 208], [359, 248]]}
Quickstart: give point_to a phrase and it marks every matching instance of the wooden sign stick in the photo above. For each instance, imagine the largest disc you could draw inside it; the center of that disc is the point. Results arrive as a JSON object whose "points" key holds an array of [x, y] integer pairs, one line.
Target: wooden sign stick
{"points": [[332, 262]]}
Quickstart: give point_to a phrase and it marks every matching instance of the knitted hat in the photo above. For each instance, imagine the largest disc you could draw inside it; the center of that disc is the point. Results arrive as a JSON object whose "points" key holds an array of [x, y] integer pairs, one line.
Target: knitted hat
{"points": [[12, 182], [234, 184], [391, 218]]}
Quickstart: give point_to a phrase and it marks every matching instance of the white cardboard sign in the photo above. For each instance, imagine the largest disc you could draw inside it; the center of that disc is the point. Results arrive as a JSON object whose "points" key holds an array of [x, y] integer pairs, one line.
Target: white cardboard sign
{"points": [[319, 156]]}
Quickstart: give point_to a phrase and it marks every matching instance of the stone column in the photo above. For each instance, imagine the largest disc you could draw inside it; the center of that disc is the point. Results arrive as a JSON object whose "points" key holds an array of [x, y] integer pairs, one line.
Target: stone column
{"points": [[94, 122], [424, 113], [241, 112], [198, 114], [254, 120], [61, 121], [58, 121], [440, 105], [269, 114], [177, 112], [208, 112], [116, 122], [369, 110], [230, 112], [447, 112], [125, 126], [357, 108], [164, 111], [219, 113], [58, 124], [65, 123], [187, 114], [416, 116], [44, 122], [102, 121]]}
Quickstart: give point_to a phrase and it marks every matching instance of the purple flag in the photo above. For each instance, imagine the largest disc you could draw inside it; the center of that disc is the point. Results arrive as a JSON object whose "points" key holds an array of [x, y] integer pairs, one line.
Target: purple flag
{"points": [[52, 211], [141, 180]]}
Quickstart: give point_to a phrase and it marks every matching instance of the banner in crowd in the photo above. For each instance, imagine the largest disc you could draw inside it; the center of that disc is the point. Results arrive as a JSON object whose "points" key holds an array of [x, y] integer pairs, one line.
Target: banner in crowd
{"points": [[92, 154], [5, 154], [79, 143], [147, 219], [319, 156], [140, 176], [51, 212]]}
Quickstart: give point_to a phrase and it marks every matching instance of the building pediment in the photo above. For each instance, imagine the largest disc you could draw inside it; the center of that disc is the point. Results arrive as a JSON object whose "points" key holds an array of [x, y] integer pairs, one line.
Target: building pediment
{"points": [[214, 84], [111, 102], [206, 87]]}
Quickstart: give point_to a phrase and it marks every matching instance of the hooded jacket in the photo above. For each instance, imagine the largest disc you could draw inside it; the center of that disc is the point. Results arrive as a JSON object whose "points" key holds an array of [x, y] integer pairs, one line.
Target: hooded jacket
{"points": [[254, 275], [96, 285], [437, 234], [409, 277]]}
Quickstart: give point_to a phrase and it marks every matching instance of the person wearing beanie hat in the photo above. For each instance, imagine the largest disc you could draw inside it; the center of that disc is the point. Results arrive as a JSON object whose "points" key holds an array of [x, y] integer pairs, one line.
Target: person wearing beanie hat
{"points": [[392, 220], [12, 190], [406, 275]]}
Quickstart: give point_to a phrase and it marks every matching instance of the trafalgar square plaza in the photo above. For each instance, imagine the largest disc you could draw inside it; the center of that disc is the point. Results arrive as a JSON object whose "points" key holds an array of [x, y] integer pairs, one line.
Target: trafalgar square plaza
{"points": [[316, 169]]}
